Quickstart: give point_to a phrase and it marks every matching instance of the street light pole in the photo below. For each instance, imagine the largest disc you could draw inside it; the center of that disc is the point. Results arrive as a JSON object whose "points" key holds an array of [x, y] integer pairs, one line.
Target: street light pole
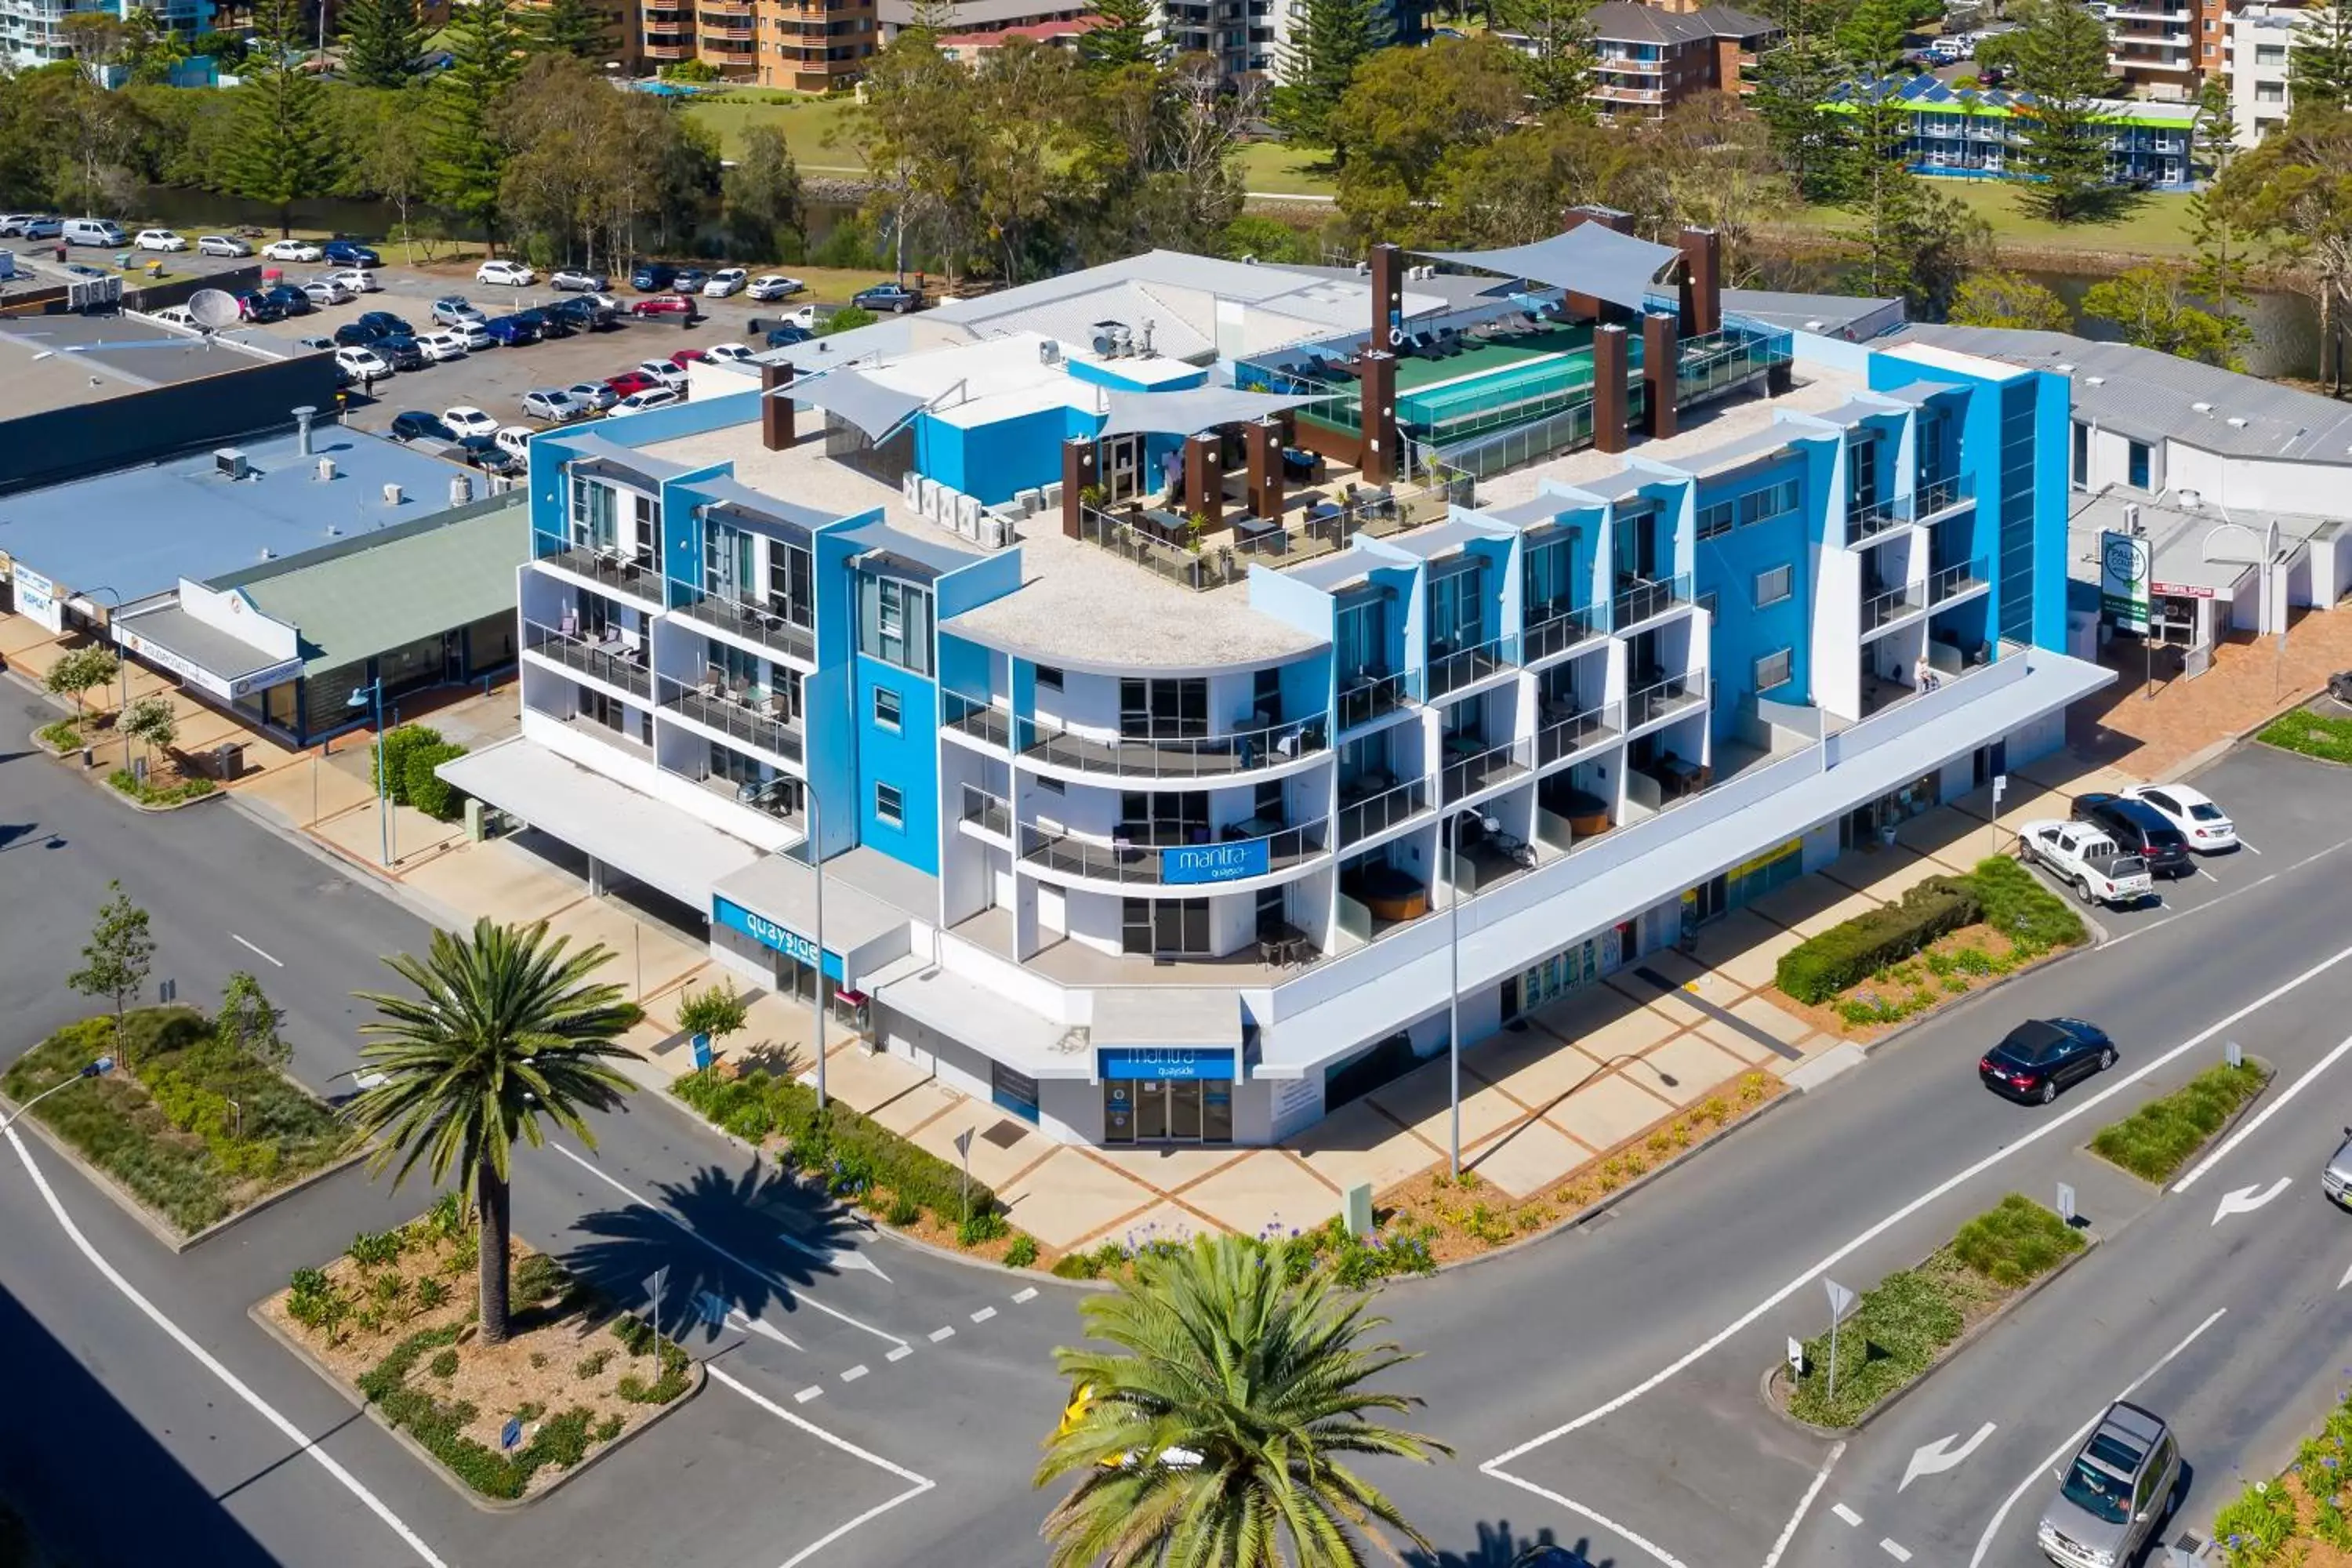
{"points": [[1453, 990], [359, 697], [101, 1066], [816, 870], [121, 667]]}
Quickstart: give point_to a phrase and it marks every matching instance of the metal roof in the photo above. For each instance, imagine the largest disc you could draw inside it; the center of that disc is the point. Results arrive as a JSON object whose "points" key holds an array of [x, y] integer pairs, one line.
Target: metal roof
{"points": [[1628, 21], [1587, 260], [632, 462], [732, 495], [230, 659], [1832, 313]]}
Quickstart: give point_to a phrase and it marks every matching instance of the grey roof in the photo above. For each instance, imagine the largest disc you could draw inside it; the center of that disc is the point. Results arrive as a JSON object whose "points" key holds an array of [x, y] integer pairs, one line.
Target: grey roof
{"points": [[2201, 548], [1191, 410], [229, 657], [938, 554], [1748, 449], [1428, 544], [856, 397], [1830, 314], [1917, 392], [886, 338], [2153, 395], [1071, 318], [1628, 21], [737, 497], [1332, 571], [630, 462], [1587, 260], [1543, 506], [857, 924], [1854, 410]]}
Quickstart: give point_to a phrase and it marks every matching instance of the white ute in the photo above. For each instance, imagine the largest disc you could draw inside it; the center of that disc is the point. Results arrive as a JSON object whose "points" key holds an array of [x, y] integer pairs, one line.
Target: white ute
{"points": [[2088, 862]]}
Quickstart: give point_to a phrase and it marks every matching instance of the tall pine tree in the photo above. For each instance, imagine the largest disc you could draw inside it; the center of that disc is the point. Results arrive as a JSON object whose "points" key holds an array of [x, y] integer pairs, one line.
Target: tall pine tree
{"points": [[380, 39], [1122, 39], [1332, 38], [2319, 65], [2060, 59], [280, 148], [468, 158], [1793, 82], [1557, 58], [580, 29]]}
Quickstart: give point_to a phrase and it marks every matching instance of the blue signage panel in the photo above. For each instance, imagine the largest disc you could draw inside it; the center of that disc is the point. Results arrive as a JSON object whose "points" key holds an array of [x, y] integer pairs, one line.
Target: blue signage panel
{"points": [[769, 934], [1213, 862], [1166, 1062]]}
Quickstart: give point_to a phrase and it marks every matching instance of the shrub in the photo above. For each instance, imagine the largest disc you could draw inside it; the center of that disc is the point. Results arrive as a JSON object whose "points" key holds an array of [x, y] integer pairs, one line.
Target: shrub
{"points": [[374, 1249], [447, 1217], [904, 1211], [538, 1277], [664, 1388], [981, 1225], [430, 1293], [1820, 967], [64, 735], [2157, 1139], [592, 1364], [1023, 1253], [2015, 1242], [398, 743], [443, 1364], [2314, 734], [388, 1288], [607, 1429], [1075, 1266], [851, 1175], [427, 791], [2019, 907], [770, 1103]]}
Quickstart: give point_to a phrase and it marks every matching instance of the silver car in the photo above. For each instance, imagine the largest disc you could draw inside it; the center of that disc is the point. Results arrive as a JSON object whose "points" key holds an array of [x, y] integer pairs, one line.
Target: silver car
{"points": [[2335, 1176], [2115, 1493]]}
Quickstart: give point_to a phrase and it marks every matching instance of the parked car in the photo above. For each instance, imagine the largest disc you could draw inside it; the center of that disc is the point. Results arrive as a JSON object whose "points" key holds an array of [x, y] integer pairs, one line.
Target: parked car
{"points": [[254, 305], [350, 253], [651, 397], [773, 286], [176, 316], [443, 346], [158, 240], [317, 345], [727, 280], [2335, 1176], [2086, 859], [2043, 1056], [364, 366], [546, 323], [103, 232], [485, 453], [474, 335], [651, 277], [402, 351], [360, 335], [415, 424], [685, 357], [467, 420], [888, 299], [689, 280], [592, 396], [551, 404], [662, 305], [325, 291], [290, 299], [804, 316], [506, 274], [735, 354], [574, 280], [358, 280], [2118, 1494], [13, 224], [2201, 822], [664, 373], [581, 313], [451, 308], [46, 228], [2140, 829], [292, 251], [222, 245], [387, 320], [785, 337], [627, 382], [511, 332]]}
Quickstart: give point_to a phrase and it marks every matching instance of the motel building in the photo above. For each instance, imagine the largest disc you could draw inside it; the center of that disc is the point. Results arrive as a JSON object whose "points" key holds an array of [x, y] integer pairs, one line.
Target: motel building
{"points": [[1145, 697]]}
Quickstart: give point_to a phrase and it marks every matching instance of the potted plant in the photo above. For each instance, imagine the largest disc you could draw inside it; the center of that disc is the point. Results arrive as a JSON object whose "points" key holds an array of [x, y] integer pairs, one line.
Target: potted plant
{"points": [[1195, 525], [1091, 498]]}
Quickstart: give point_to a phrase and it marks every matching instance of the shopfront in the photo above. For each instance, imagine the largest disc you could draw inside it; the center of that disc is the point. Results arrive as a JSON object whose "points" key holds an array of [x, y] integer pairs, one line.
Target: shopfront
{"points": [[789, 957], [1873, 825], [1167, 1095]]}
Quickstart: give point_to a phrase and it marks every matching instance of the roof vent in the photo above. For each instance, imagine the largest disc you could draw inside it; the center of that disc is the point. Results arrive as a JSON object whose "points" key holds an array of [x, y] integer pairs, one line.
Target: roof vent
{"points": [[1249, 260], [393, 495], [2065, 370], [2189, 500], [231, 463], [326, 468], [2202, 408], [2237, 421], [2094, 381]]}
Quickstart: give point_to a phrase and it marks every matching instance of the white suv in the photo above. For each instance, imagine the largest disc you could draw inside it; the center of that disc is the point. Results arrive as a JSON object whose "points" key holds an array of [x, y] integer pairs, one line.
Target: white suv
{"points": [[512, 273], [362, 365], [440, 346]]}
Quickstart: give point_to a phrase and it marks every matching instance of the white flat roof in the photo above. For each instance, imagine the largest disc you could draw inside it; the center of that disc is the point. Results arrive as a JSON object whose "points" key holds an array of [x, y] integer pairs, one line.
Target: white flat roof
{"points": [[964, 1009], [1165, 1016]]}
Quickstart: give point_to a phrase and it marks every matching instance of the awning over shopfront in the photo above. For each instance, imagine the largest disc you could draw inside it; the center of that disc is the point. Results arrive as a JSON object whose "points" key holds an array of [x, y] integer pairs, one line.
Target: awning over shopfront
{"points": [[206, 656], [636, 835], [773, 901], [964, 1010]]}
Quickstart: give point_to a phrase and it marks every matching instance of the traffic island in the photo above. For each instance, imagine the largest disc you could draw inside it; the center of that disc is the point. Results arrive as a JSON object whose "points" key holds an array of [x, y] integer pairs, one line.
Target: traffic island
{"points": [[393, 1325], [2304, 1516], [2154, 1142], [1901, 1329]]}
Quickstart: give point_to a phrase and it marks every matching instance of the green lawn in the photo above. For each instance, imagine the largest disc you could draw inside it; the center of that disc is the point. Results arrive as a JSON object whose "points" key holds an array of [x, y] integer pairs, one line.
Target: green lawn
{"points": [[806, 121], [1278, 169], [2156, 225], [2320, 735]]}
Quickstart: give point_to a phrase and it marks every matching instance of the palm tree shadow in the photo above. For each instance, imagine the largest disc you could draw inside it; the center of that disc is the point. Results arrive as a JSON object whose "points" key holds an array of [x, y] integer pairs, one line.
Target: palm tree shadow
{"points": [[1500, 1546], [741, 1259]]}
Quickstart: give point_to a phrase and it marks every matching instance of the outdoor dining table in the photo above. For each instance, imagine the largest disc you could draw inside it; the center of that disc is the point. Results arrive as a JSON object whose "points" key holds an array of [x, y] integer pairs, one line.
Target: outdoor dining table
{"points": [[1257, 533], [1164, 526]]}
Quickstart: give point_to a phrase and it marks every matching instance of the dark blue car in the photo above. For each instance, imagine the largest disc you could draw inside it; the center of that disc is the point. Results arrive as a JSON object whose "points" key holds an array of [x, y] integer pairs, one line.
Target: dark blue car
{"points": [[546, 323], [385, 319], [892, 298], [291, 301], [257, 306], [402, 351], [785, 337], [511, 332], [651, 277], [418, 425], [348, 253], [360, 335], [2043, 1056]]}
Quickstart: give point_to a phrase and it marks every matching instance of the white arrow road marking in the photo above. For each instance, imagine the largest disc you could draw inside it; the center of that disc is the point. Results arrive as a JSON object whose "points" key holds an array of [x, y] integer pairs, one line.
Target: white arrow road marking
{"points": [[2246, 1200], [743, 1319], [1934, 1458], [2346, 1280], [835, 1257]]}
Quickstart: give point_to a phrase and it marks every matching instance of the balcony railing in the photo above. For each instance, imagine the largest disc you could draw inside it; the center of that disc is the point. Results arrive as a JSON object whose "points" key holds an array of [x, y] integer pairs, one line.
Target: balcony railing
{"points": [[992, 812], [613, 663], [1366, 697], [607, 567], [750, 718], [1654, 701], [1639, 598], [1868, 519], [755, 622], [974, 717], [1175, 756], [1933, 498], [1367, 814], [1453, 671], [1881, 608], [1564, 737], [1137, 858], [1556, 627], [1471, 771], [1953, 581]]}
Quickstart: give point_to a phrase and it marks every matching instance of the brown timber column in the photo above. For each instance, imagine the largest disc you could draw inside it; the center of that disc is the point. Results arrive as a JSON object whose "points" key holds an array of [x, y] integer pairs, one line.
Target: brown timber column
{"points": [[1609, 387], [1702, 300], [1262, 441], [1376, 457], [1659, 369], [1204, 476], [1584, 306], [776, 432], [1079, 464]]}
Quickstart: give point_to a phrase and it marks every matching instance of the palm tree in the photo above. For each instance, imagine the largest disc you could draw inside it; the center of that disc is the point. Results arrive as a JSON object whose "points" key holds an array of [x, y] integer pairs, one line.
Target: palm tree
{"points": [[1213, 1434], [505, 1028]]}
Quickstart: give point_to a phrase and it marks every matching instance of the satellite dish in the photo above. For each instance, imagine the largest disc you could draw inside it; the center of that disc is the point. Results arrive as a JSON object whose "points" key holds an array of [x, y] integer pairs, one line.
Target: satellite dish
{"points": [[214, 308]]}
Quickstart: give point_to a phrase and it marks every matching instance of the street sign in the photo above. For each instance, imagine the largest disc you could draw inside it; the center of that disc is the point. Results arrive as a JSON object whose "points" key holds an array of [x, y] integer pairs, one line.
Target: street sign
{"points": [[2234, 1053], [963, 1147], [2066, 1203], [1796, 1356], [963, 1142], [2000, 787], [701, 1053], [1360, 1209], [167, 991], [511, 1433], [1841, 1298]]}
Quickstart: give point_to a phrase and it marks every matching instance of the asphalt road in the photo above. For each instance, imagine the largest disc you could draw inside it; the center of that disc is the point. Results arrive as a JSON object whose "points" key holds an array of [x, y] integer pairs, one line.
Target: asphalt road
{"points": [[873, 1404]]}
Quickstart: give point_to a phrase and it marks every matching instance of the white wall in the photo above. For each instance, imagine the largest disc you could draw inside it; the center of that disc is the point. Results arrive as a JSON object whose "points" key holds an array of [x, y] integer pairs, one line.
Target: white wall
{"points": [[635, 771]]}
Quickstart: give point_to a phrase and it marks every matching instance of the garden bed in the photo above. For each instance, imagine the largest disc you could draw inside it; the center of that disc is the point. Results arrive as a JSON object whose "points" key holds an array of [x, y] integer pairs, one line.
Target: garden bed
{"points": [[393, 1321], [1903, 1326], [163, 788], [2319, 735], [2305, 1516], [2158, 1139], [192, 1129]]}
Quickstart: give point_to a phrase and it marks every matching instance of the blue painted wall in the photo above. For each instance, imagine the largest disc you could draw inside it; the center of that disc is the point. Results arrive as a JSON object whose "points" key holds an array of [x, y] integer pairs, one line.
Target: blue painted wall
{"points": [[907, 760], [1727, 567], [1100, 373], [2052, 450]]}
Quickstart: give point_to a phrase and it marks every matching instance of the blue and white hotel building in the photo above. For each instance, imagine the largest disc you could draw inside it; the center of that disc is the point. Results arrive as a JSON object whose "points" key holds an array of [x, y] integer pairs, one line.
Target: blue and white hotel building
{"points": [[1144, 856]]}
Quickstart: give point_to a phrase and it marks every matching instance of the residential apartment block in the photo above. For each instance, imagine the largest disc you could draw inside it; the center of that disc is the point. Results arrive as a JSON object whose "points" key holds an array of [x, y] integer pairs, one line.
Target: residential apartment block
{"points": [[810, 45], [1648, 58], [2257, 44], [1967, 133], [2166, 48], [1161, 697], [30, 35]]}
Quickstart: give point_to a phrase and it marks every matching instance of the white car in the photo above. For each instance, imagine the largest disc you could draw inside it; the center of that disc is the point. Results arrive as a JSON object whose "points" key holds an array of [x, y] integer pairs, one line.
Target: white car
{"points": [[732, 354], [222, 245], [291, 250], [725, 281], [326, 292], [804, 318], [176, 316], [362, 365], [513, 438], [473, 334], [651, 397], [513, 274], [439, 347], [158, 240], [470, 421], [553, 405], [661, 370], [774, 286], [2087, 861], [356, 279], [2201, 822]]}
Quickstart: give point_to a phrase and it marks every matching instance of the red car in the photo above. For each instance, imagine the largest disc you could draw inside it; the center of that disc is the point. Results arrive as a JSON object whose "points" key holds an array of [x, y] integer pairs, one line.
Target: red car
{"points": [[630, 381], [685, 357], [662, 305]]}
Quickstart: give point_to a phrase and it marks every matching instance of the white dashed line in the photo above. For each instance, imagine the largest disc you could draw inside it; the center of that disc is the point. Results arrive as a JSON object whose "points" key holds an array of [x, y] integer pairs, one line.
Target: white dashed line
{"points": [[250, 948], [901, 1354], [853, 1373], [984, 1314], [1028, 1293], [1893, 1548], [1845, 1513], [1789, 1530], [946, 1334], [805, 1394]]}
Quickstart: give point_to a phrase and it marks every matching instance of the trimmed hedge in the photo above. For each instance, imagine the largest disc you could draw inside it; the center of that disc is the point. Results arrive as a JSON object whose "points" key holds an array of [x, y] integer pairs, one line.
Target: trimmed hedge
{"points": [[398, 742], [1820, 967], [757, 1104], [425, 789]]}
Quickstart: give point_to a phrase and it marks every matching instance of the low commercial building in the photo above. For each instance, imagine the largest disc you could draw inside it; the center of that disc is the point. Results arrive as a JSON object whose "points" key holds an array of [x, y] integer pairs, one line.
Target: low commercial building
{"points": [[1971, 134]]}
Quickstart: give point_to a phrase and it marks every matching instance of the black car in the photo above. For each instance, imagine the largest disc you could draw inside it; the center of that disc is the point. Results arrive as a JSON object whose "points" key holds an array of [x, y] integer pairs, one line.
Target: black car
{"points": [[785, 337], [485, 453], [888, 299], [401, 352], [651, 277], [2043, 1056], [290, 299], [415, 424], [546, 323], [2137, 828], [391, 323], [257, 306], [586, 315], [360, 335]]}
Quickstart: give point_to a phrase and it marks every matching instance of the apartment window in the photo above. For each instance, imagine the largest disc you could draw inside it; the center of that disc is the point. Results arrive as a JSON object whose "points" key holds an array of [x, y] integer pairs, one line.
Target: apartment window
{"points": [[1168, 710], [790, 591], [1773, 669], [2269, 92], [1773, 585], [894, 623], [1772, 501], [1716, 520], [886, 709], [889, 809], [1048, 679], [2138, 464], [595, 520], [2270, 54]]}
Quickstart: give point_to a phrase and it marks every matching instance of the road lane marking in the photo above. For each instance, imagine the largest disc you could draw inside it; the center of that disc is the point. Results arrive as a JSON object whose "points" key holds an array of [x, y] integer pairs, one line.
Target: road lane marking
{"points": [[742, 1320], [917, 1485], [805, 1394], [946, 1334], [2243, 845], [205, 1358], [1026, 1293], [899, 1353], [1893, 1548], [2246, 1200], [1845, 1513], [984, 1314], [1789, 1530], [594, 1170], [1667, 1558], [853, 1373], [1984, 1542], [2254, 1123], [2163, 921], [2041, 1131], [1934, 1458], [836, 1258], [250, 948]]}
